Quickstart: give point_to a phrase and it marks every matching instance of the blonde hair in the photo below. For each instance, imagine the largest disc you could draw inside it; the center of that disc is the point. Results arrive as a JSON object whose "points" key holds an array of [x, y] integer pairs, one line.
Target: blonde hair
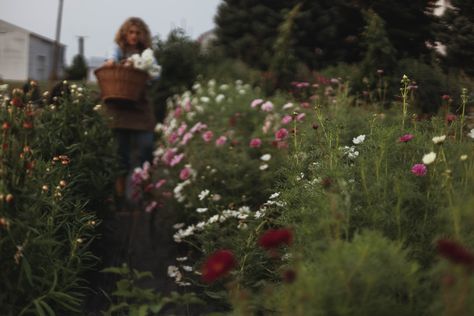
{"points": [[144, 38]]}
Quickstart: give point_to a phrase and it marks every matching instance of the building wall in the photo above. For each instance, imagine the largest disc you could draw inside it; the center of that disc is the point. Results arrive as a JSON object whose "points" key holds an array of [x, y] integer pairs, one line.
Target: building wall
{"points": [[40, 59], [13, 52]]}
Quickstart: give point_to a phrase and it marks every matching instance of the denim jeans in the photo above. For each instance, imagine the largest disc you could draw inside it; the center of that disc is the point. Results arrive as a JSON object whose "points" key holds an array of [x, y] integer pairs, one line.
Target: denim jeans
{"points": [[134, 148]]}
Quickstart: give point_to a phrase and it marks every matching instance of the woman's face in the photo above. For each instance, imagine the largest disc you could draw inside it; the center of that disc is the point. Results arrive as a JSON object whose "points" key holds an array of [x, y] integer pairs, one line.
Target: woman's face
{"points": [[133, 34]]}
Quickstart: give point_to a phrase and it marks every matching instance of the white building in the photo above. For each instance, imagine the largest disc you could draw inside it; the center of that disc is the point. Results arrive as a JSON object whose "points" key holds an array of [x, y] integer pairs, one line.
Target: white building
{"points": [[26, 55], [92, 64]]}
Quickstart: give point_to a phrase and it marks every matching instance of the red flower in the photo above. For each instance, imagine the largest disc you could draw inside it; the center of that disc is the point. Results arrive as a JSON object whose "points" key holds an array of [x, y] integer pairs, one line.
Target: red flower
{"points": [[446, 97], [5, 126], [274, 238], [217, 265], [455, 252], [450, 118], [27, 125]]}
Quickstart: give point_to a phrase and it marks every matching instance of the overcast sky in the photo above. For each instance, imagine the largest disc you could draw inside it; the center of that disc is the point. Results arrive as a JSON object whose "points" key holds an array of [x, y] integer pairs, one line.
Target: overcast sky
{"points": [[98, 20]]}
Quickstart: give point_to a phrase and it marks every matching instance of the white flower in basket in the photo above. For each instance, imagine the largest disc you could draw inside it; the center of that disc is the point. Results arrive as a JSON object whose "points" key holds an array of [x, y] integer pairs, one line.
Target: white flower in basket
{"points": [[146, 62]]}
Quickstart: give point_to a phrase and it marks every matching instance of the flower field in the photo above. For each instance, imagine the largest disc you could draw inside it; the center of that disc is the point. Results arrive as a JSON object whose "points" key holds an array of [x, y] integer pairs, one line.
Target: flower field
{"points": [[308, 202]]}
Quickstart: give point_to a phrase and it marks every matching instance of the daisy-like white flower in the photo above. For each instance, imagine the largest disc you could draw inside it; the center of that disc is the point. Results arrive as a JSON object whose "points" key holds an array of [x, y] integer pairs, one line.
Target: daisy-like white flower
{"points": [[463, 157], [274, 195], [220, 98], [205, 99], [471, 133], [429, 158], [203, 194], [201, 209], [266, 157], [263, 167], [358, 140], [287, 106], [439, 139]]}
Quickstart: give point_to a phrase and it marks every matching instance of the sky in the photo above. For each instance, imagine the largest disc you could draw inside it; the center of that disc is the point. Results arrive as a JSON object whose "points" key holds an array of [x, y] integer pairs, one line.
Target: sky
{"points": [[98, 20]]}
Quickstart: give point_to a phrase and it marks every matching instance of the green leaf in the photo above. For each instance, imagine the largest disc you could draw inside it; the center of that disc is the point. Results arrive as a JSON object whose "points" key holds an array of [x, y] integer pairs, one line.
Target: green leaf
{"points": [[143, 310], [25, 265], [39, 309], [47, 308]]}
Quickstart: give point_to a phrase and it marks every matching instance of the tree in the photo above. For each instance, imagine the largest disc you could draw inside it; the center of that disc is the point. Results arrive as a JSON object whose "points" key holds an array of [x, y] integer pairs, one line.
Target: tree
{"points": [[457, 33], [178, 57], [78, 69], [328, 32], [246, 29], [379, 52], [409, 24]]}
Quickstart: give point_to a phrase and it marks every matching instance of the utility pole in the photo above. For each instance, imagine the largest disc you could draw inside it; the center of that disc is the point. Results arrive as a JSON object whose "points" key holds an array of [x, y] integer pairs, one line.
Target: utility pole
{"points": [[54, 72], [81, 44]]}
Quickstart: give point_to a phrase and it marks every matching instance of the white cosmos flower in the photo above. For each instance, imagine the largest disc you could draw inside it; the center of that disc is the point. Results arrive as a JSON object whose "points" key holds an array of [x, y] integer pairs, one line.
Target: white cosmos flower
{"points": [[263, 167], [471, 133], [266, 157], [205, 99], [274, 195], [220, 98], [429, 158], [358, 140], [289, 105], [439, 139], [203, 194]]}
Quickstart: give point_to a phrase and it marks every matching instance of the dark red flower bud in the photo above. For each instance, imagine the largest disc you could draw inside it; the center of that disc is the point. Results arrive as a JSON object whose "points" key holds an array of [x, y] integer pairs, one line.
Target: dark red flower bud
{"points": [[289, 276], [274, 238], [455, 252], [217, 265]]}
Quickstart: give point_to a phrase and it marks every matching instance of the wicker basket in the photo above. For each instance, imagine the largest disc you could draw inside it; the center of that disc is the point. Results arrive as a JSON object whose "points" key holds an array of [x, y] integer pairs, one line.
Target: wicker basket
{"points": [[121, 84]]}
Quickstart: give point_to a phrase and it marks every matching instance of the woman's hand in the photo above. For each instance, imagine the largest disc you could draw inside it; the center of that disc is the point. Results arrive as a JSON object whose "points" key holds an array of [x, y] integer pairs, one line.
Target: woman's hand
{"points": [[109, 63], [128, 63]]}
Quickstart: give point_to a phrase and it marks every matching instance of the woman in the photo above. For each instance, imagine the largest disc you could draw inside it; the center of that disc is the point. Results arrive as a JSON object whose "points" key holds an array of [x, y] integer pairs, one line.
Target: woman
{"points": [[133, 125]]}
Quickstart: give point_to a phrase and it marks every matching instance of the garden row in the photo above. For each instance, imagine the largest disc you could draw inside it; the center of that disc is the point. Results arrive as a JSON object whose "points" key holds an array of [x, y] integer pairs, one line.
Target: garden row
{"points": [[56, 163], [314, 204]]}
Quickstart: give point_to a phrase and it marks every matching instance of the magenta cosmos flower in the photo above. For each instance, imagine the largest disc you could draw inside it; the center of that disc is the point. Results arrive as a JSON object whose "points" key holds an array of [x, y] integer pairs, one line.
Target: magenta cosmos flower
{"points": [[281, 134], [406, 138], [207, 136], [255, 143], [419, 170], [221, 141]]}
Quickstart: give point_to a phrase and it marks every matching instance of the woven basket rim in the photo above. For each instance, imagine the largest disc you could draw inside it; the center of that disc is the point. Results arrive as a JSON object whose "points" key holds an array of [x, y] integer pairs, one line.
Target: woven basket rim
{"points": [[120, 68]]}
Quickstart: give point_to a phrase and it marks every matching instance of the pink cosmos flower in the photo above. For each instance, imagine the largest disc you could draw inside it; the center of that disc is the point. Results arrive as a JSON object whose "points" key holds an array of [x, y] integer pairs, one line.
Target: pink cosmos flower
{"points": [[207, 136], [176, 159], [198, 127], [300, 117], [177, 112], [406, 138], [182, 129], [160, 183], [168, 156], [173, 138], [281, 134], [255, 143], [185, 173], [267, 106], [186, 138], [305, 105], [419, 170], [150, 207], [221, 141], [266, 126], [256, 103], [286, 119]]}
